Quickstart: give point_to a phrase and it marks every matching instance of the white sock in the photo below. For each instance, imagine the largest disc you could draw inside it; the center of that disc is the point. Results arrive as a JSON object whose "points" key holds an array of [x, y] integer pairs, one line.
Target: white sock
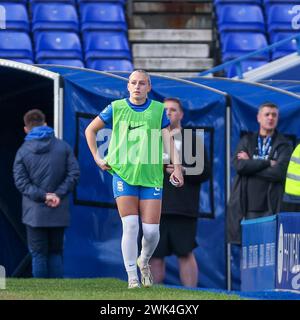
{"points": [[129, 244], [149, 241]]}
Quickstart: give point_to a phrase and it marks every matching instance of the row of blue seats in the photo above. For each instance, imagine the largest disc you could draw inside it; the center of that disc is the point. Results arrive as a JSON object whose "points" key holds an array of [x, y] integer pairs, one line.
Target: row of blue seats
{"points": [[64, 45], [61, 1], [265, 3], [249, 17], [93, 16], [102, 51], [243, 29], [236, 44]]}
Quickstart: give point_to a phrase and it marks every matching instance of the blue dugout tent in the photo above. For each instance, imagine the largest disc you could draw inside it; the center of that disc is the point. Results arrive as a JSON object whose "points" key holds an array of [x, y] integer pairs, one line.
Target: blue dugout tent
{"points": [[288, 85], [71, 98]]}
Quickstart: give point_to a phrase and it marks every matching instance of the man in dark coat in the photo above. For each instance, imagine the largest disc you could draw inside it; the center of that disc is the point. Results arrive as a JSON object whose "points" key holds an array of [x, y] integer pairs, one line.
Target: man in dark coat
{"points": [[261, 161], [45, 172]]}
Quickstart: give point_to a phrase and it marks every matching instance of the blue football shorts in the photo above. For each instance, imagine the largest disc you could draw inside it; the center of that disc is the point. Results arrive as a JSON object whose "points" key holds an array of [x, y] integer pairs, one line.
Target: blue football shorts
{"points": [[122, 188]]}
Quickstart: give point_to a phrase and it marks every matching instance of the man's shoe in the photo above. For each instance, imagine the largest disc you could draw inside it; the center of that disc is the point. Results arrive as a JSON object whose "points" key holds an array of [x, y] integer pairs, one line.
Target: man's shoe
{"points": [[146, 276], [133, 283]]}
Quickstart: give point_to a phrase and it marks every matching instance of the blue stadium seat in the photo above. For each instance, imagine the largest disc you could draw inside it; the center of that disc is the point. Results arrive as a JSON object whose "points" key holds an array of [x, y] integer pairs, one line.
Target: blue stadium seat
{"points": [[60, 1], [236, 44], [102, 16], [54, 16], [55, 44], [279, 18], [236, 17], [15, 44], [14, 1], [106, 44], [238, 1], [16, 17], [63, 62], [246, 65], [286, 48], [85, 1], [268, 3], [110, 65]]}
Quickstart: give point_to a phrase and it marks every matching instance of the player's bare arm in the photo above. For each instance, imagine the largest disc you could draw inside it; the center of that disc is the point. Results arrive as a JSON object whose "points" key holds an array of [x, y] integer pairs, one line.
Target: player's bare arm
{"points": [[90, 134], [168, 141]]}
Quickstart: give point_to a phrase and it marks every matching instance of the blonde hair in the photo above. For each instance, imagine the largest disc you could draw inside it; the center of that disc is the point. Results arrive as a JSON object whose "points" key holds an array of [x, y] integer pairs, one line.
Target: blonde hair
{"points": [[143, 72]]}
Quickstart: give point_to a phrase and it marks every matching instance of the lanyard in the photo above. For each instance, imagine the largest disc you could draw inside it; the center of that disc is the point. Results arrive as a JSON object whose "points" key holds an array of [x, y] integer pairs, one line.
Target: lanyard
{"points": [[264, 148]]}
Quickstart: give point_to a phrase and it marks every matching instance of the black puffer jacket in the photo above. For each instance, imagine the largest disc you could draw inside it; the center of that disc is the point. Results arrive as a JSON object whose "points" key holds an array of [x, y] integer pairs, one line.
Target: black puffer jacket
{"points": [[248, 169]]}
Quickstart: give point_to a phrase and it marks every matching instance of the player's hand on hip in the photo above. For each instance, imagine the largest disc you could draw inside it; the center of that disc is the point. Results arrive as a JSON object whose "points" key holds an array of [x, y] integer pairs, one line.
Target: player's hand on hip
{"points": [[101, 163]]}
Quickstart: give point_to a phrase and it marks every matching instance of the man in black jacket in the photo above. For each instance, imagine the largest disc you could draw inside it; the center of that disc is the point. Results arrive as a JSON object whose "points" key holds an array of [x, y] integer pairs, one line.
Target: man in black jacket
{"points": [[261, 161], [45, 172], [180, 205]]}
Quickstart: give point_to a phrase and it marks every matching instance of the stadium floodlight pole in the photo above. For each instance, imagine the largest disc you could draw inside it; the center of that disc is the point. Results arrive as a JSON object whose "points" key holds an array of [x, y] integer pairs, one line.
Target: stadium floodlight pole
{"points": [[228, 148]]}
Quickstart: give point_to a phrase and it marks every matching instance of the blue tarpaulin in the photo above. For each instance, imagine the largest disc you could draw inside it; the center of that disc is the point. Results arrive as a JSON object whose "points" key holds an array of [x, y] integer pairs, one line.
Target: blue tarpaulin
{"points": [[93, 241], [288, 85]]}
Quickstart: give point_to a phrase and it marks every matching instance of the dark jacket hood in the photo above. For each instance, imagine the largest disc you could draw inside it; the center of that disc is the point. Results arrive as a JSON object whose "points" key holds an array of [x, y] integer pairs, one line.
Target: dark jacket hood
{"points": [[39, 139]]}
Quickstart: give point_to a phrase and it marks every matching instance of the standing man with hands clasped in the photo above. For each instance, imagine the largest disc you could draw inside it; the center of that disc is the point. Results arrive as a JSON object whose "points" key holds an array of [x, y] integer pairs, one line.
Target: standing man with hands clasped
{"points": [[137, 182], [261, 161], [45, 172]]}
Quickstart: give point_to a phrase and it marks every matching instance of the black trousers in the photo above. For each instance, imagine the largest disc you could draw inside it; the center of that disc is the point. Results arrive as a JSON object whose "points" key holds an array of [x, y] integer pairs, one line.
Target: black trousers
{"points": [[46, 247]]}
